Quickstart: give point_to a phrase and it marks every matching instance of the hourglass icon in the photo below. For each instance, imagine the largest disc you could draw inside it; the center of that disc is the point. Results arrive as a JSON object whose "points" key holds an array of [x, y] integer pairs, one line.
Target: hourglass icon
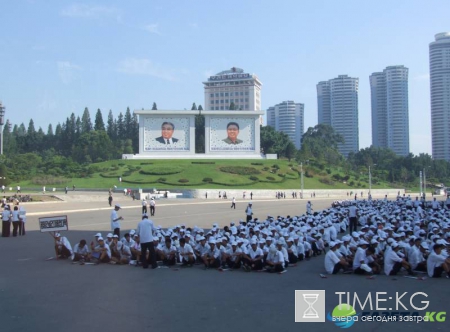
{"points": [[310, 299]]}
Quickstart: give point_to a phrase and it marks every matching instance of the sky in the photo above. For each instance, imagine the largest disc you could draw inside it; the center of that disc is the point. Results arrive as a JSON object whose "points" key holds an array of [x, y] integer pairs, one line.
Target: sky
{"points": [[58, 57]]}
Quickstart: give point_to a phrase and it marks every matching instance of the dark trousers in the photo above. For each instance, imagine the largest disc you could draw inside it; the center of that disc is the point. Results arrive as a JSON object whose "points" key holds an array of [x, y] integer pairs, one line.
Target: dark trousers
{"points": [[117, 232], [353, 224], [337, 268], [233, 205], [6, 228], [292, 258], [15, 227], [21, 228], [151, 257], [144, 209], [395, 269], [152, 210], [249, 218]]}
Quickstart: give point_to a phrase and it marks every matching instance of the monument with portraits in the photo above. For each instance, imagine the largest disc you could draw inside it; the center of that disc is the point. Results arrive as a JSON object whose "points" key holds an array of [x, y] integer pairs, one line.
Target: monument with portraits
{"points": [[171, 135]]}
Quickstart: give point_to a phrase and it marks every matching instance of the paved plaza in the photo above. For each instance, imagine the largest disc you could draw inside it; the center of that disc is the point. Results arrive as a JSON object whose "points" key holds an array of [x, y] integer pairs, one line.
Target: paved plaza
{"points": [[39, 295]]}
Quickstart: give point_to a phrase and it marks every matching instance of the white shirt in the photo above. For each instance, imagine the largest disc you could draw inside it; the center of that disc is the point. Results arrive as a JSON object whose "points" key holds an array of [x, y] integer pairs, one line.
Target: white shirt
{"points": [[152, 202], [187, 249], [352, 211], [64, 242], [6, 215], [212, 252], [81, 250], [144, 203], [276, 258], [389, 261], [433, 261], [415, 257], [255, 253], [15, 215], [108, 250], [360, 255], [330, 261], [145, 230], [114, 223]]}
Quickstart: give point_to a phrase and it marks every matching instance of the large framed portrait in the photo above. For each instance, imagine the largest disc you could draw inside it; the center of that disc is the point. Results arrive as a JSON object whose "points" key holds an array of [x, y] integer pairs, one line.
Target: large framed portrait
{"points": [[166, 134], [232, 134]]}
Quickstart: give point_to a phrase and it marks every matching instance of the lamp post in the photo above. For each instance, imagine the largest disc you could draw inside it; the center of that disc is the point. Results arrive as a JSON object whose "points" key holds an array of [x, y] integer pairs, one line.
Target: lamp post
{"points": [[370, 180], [301, 180], [2, 115]]}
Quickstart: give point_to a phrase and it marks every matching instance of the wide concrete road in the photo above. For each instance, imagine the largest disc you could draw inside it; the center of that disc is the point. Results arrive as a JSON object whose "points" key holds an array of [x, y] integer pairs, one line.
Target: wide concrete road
{"points": [[40, 295]]}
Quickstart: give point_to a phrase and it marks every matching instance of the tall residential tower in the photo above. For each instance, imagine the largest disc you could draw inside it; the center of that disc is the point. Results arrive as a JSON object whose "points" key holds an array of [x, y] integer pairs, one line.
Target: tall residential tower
{"points": [[288, 117], [440, 95], [390, 113], [337, 101]]}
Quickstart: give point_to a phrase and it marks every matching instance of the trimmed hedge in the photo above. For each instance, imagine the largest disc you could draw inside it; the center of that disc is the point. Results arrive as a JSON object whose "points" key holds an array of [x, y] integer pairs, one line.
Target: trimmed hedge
{"points": [[257, 164], [204, 162], [183, 180], [207, 180], [161, 170], [253, 178], [106, 176], [240, 170]]}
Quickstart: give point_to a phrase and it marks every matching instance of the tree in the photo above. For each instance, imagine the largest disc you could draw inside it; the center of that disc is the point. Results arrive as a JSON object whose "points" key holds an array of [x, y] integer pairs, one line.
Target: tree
{"points": [[50, 130], [135, 133], [154, 107], [92, 146], [111, 129], [273, 141], [128, 125], [120, 127], [86, 123], [321, 142], [291, 151], [194, 107], [200, 108], [232, 106], [99, 124], [31, 130], [199, 134]]}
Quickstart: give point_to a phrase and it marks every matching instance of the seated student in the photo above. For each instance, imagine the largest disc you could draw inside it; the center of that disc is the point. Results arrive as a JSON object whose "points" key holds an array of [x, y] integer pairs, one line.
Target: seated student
{"points": [[116, 248], [233, 256], [275, 260], [109, 239], [437, 263], [211, 257], [127, 240], [292, 251], [136, 249], [125, 254], [187, 257], [417, 257], [300, 246], [63, 249], [360, 261], [393, 262], [167, 253], [101, 252], [282, 249], [253, 259], [201, 248], [81, 252], [372, 261], [93, 244], [333, 264]]}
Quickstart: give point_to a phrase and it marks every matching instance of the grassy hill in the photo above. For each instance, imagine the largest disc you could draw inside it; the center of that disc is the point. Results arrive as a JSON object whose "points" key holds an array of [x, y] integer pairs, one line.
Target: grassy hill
{"points": [[208, 174]]}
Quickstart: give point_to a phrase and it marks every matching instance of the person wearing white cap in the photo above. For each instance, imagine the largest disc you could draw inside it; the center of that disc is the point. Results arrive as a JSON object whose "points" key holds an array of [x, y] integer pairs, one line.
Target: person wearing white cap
{"points": [[187, 256], [393, 262], [109, 238], [417, 257], [253, 258], [167, 253], [93, 244], [81, 252], [115, 220], [152, 206], [114, 246], [145, 231], [136, 249], [63, 249], [275, 260], [211, 257], [309, 208], [233, 203], [360, 261], [249, 212], [353, 217], [333, 264], [437, 263], [101, 252], [127, 240], [292, 251]]}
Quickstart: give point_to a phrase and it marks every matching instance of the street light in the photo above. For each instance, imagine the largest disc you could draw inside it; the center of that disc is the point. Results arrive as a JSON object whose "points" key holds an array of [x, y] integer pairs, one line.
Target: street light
{"points": [[2, 115], [301, 179], [425, 182]]}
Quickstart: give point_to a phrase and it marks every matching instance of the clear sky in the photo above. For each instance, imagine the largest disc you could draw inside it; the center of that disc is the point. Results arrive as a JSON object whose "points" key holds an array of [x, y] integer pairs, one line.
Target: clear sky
{"points": [[57, 57]]}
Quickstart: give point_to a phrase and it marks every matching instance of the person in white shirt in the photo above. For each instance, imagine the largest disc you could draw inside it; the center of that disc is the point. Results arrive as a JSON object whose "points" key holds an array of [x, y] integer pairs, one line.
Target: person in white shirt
{"points": [[249, 212], [393, 262], [136, 249], [333, 264], [253, 259], [63, 249], [211, 257], [6, 221], [115, 220], [187, 257], [127, 240], [145, 230], [309, 207], [435, 204], [437, 263], [15, 217], [144, 206], [360, 261], [233, 256], [168, 252], [353, 217], [447, 202], [101, 252], [152, 206], [275, 260], [292, 251], [233, 203], [81, 252], [417, 257]]}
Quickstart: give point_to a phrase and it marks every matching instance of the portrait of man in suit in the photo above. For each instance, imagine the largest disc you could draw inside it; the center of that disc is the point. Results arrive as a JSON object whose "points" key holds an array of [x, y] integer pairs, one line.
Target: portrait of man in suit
{"points": [[167, 129], [232, 132]]}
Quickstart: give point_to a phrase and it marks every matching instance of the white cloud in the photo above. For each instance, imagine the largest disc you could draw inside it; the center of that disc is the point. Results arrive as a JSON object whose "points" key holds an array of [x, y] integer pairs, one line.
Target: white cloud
{"points": [[146, 67], [423, 77], [152, 28], [91, 11], [67, 71]]}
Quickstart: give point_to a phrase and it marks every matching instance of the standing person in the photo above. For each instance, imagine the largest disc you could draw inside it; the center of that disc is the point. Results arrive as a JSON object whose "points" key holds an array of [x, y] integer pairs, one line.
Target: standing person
{"points": [[447, 202], [15, 220], [115, 220], [18, 190], [251, 195], [22, 220], [145, 230], [206, 195], [110, 199], [3, 189], [43, 189], [73, 188], [6, 222], [144, 206], [309, 207], [233, 203], [249, 212], [152, 206], [353, 216], [66, 189]]}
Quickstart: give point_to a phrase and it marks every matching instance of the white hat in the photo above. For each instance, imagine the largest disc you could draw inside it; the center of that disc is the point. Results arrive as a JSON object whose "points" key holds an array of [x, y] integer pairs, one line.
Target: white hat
{"points": [[362, 242], [424, 245], [253, 242], [109, 235], [115, 236], [394, 245], [272, 249], [333, 244], [57, 235], [234, 243], [117, 205], [100, 239], [373, 241], [98, 234], [212, 240]]}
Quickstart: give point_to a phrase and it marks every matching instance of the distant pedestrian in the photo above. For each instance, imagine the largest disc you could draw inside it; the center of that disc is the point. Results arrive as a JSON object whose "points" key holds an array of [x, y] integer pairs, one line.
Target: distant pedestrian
{"points": [[3, 189], [6, 221], [233, 203], [144, 206], [152, 206], [43, 189], [220, 195], [115, 220], [18, 190], [66, 189], [251, 195], [73, 188], [110, 199], [249, 212], [206, 195]]}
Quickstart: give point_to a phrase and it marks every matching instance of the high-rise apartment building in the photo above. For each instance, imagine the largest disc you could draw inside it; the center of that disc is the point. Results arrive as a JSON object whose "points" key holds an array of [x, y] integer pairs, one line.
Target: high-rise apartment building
{"points": [[390, 112], [440, 95], [288, 117], [337, 101], [233, 87]]}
